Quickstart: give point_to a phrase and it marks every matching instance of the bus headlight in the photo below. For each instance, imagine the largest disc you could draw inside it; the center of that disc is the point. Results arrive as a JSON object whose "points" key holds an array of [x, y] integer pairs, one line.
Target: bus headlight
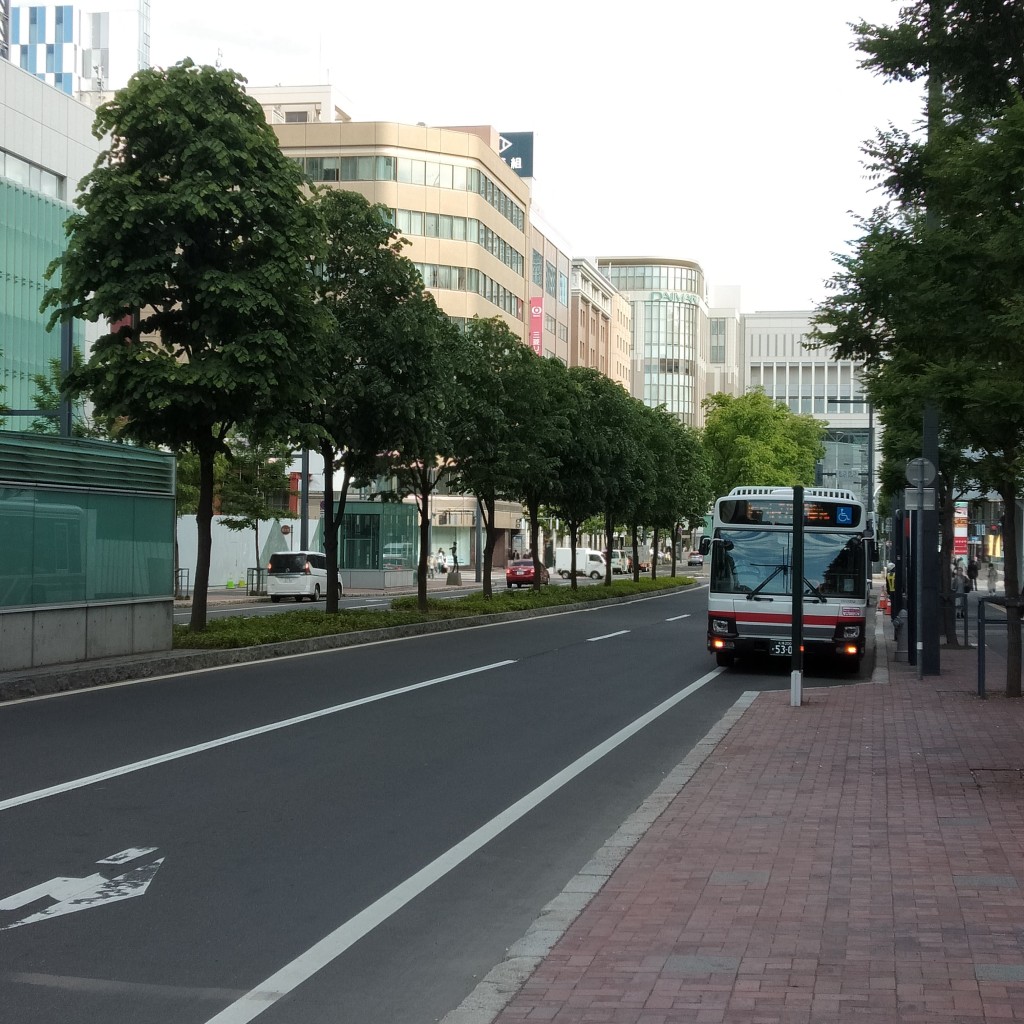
{"points": [[721, 626], [851, 632]]}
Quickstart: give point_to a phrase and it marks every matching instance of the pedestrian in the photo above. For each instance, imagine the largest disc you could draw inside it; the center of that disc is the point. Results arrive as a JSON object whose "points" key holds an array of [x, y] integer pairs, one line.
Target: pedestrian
{"points": [[431, 566], [992, 577], [961, 584], [442, 562], [972, 573]]}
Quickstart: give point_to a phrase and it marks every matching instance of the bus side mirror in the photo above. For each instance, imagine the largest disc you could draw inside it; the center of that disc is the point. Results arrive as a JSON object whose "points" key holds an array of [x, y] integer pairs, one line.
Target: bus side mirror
{"points": [[705, 545]]}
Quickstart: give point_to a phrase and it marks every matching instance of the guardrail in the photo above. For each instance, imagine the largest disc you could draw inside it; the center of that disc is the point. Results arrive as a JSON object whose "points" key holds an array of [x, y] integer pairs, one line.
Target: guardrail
{"points": [[182, 586]]}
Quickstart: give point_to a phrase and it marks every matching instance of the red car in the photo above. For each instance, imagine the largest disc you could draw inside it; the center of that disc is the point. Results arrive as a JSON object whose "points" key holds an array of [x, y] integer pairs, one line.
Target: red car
{"points": [[520, 573]]}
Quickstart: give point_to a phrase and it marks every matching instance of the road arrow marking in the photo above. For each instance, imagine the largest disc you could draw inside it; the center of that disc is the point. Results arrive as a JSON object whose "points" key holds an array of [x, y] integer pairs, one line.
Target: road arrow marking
{"points": [[74, 894]]}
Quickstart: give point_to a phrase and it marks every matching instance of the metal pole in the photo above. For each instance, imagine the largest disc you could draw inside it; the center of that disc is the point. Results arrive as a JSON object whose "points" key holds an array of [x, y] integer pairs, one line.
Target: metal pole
{"points": [[797, 671], [918, 576]]}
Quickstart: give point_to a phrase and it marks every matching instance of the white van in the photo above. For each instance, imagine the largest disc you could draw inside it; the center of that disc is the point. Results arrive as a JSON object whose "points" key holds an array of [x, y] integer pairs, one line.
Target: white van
{"points": [[298, 574], [620, 562], [589, 562]]}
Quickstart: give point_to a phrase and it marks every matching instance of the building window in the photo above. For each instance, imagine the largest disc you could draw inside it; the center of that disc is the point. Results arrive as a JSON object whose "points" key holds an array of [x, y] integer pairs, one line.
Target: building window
{"points": [[563, 289], [550, 279], [717, 352], [538, 269], [296, 116]]}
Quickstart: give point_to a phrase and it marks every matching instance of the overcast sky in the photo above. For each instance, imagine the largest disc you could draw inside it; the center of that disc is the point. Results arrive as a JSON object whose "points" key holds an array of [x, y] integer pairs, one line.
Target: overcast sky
{"points": [[727, 132]]}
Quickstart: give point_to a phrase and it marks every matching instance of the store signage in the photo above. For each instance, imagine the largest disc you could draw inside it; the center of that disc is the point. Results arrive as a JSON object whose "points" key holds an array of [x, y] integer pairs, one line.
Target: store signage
{"points": [[675, 297], [537, 325], [516, 149]]}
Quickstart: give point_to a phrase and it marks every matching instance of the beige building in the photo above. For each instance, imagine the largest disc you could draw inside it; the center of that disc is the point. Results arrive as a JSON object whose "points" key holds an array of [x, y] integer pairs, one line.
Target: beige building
{"points": [[463, 211], [600, 333]]}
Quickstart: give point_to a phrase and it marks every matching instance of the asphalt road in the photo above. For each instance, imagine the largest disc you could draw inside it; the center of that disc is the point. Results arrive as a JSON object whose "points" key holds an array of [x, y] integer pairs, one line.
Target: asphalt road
{"points": [[355, 835]]}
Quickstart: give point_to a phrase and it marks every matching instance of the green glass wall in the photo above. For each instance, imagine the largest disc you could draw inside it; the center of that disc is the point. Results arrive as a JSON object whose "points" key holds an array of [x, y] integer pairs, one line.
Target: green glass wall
{"points": [[61, 543], [31, 235], [378, 535]]}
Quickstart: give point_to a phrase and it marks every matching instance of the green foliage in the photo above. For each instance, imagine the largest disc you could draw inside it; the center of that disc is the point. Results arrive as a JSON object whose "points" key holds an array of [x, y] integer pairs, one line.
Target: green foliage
{"points": [[252, 631], [753, 440], [380, 340], [49, 389], [192, 237]]}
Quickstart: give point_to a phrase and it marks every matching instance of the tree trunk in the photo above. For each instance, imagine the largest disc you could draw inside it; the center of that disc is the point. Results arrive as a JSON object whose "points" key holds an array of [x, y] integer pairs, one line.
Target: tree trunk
{"points": [[330, 528], [654, 555], [533, 511], [490, 542], [636, 554], [425, 486], [609, 537], [204, 543], [573, 533], [1011, 581]]}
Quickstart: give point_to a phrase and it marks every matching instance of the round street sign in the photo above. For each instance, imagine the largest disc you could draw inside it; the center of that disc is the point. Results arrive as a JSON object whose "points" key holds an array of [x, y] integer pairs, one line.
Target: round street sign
{"points": [[920, 472], [286, 530]]}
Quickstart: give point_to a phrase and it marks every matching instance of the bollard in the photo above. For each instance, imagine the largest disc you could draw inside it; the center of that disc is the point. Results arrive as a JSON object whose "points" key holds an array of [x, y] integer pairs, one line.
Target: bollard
{"points": [[899, 628]]}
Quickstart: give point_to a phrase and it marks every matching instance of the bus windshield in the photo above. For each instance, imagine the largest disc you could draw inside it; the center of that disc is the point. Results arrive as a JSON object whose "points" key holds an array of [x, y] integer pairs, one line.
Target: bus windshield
{"points": [[760, 561]]}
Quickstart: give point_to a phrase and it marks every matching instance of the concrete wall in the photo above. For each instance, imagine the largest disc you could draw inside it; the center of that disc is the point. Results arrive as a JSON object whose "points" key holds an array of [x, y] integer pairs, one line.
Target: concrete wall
{"points": [[61, 634]]}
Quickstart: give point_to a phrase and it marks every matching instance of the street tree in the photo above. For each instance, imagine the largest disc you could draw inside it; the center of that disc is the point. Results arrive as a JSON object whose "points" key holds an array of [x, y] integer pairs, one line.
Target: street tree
{"points": [[254, 486], [193, 237], [547, 443], [936, 275], [754, 440], [373, 372], [421, 416], [492, 422]]}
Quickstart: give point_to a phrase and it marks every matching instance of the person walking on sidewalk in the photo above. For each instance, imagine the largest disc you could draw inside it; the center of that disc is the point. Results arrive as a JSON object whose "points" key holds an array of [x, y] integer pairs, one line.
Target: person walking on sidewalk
{"points": [[992, 577], [961, 584]]}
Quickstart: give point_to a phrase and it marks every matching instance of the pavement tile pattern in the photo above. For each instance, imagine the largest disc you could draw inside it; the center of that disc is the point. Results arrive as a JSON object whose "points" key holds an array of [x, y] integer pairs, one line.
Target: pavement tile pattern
{"points": [[860, 858]]}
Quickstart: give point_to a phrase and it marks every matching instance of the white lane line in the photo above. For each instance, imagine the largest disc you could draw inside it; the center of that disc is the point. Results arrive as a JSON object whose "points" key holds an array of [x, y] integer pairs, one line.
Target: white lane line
{"points": [[594, 639], [331, 946], [198, 748], [676, 618]]}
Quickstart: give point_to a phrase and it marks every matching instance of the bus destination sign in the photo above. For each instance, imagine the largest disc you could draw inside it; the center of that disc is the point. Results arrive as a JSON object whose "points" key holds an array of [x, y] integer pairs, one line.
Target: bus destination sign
{"points": [[772, 512]]}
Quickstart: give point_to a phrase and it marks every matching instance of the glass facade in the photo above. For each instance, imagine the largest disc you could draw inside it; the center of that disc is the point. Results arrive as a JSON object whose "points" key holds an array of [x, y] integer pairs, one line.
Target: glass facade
{"points": [[413, 172], [378, 535], [31, 235], [66, 543], [669, 328]]}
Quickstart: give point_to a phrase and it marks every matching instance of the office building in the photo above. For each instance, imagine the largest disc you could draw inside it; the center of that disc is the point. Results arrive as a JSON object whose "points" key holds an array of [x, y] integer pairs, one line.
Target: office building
{"points": [[87, 49], [463, 211], [46, 147], [601, 318], [811, 381], [670, 324]]}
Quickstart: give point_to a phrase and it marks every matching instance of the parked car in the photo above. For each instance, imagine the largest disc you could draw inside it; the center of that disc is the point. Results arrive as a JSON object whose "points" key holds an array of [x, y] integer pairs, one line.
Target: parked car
{"points": [[519, 573], [694, 558], [298, 574]]}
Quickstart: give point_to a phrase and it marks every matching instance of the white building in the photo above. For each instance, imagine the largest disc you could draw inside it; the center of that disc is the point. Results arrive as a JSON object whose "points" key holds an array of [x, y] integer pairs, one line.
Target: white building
{"points": [[86, 49], [809, 380]]}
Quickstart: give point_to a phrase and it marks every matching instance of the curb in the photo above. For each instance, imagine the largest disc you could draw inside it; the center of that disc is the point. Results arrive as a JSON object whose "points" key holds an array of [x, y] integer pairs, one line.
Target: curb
{"points": [[503, 981], [61, 679]]}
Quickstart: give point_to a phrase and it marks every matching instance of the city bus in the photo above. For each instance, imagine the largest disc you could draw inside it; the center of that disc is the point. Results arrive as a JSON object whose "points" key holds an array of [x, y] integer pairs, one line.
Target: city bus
{"points": [[750, 594]]}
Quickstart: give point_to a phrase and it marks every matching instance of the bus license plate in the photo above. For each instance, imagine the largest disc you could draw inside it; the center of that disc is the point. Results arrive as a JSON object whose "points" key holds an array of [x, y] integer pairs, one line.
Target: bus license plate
{"points": [[782, 647]]}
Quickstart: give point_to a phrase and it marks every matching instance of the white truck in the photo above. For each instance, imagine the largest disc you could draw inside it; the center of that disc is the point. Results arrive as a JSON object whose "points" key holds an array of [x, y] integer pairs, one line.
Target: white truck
{"points": [[589, 562]]}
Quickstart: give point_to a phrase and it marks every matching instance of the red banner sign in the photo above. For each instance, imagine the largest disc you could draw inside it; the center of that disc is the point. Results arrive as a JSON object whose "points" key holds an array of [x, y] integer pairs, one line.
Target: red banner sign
{"points": [[537, 325]]}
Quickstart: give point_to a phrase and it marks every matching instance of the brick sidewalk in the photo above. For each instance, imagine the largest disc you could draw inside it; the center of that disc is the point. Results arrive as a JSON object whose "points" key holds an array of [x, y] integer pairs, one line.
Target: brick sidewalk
{"points": [[855, 859]]}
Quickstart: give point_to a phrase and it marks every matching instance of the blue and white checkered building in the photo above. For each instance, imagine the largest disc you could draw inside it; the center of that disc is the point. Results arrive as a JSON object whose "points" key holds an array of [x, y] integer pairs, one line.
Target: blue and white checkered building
{"points": [[83, 48]]}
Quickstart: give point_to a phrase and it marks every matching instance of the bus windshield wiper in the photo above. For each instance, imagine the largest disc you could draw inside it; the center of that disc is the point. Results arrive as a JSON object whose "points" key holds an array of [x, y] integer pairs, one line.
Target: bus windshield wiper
{"points": [[815, 591], [753, 595]]}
